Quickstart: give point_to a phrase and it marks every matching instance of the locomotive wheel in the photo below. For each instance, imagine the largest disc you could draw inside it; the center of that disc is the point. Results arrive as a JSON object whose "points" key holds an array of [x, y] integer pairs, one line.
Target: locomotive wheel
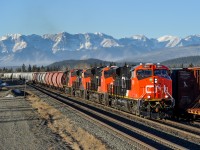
{"points": [[161, 115], [129, 107], [84, 94], [105, 99], [113, 103]]}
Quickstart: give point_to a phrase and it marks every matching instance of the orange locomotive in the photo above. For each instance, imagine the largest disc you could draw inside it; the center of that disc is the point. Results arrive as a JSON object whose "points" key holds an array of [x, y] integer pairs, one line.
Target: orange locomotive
{"points": [[142, 89]]}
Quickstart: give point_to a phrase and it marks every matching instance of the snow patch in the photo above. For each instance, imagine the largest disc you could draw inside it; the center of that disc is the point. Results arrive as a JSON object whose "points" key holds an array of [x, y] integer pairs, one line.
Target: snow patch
{"points": [[172, 41], [19, 46], [109, 43]]}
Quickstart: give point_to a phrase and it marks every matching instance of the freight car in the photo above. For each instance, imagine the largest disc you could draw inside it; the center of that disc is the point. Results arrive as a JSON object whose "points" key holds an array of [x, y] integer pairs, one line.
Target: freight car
{"points": [[186, 90], [194, 108]]}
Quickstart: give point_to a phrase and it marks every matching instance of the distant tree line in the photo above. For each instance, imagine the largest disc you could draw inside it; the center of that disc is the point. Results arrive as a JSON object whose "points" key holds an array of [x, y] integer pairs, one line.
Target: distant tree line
{"points": [[29, 68], [35, 68], [183, 62]]}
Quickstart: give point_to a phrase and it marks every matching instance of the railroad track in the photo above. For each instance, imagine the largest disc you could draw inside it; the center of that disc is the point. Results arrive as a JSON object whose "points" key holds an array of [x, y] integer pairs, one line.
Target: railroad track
{"points": [[144, 136], [196, 123], [182, 126]]}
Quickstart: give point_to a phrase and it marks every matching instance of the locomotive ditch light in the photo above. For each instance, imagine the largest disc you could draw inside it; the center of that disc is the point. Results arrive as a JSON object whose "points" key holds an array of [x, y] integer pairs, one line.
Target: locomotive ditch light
{"points": [[148, 96], [158, 65], [166, 96]]}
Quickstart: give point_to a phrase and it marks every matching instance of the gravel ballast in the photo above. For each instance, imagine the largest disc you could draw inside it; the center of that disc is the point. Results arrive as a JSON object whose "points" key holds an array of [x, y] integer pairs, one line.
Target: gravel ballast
{"points": [[108, 137]]}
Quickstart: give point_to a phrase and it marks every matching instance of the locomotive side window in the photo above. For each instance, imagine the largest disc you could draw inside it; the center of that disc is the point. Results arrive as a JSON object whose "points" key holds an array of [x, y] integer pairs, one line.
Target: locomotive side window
{"points": [[141, 74], [73, 74], [162, 73], [109, 73], [87, 73]]}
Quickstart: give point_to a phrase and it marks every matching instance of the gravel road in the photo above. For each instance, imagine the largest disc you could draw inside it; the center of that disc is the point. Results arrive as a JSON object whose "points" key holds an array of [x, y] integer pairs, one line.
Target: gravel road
{"points": [[22, 128]]}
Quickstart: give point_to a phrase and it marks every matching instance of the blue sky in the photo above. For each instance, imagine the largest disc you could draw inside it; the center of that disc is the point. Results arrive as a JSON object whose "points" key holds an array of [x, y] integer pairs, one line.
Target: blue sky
{"points": [[118, 18]]}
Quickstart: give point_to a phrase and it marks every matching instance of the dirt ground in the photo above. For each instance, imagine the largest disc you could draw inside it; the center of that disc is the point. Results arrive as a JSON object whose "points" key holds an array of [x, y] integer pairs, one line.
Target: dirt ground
{"points": [[30, 123], [21, 127]]}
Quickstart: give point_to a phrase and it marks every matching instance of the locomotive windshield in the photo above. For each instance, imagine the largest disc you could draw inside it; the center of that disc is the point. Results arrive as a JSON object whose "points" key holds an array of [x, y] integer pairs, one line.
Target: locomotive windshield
{"points": [[141, 74], [161, 72]]}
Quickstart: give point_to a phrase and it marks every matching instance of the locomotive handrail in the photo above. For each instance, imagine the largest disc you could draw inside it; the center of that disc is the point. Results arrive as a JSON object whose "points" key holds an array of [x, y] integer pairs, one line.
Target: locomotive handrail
{"points": [[142, 96], [172, 99]]}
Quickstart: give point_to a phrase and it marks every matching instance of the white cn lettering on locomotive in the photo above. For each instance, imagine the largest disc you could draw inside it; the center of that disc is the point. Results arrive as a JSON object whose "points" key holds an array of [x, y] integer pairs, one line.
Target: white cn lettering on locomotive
{"points": [[150, 88]]}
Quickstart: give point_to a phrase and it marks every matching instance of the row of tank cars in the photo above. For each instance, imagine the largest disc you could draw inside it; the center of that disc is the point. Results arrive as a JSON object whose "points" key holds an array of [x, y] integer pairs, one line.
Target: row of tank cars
{"points": [[142, 89], [53, 79]]}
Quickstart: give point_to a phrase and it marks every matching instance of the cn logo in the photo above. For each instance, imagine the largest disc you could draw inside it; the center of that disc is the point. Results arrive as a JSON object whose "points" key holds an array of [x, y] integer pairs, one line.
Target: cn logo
{"points": [[150, 88]]}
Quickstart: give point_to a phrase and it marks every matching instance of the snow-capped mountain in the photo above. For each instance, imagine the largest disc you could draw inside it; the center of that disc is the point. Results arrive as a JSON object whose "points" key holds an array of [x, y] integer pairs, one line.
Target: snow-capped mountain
{"points": [[168, 41], [18, 49]]}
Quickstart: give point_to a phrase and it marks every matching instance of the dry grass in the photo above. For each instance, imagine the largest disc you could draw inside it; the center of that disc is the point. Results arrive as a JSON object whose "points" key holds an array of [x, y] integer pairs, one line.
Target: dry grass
{"points": [[77, 137]]}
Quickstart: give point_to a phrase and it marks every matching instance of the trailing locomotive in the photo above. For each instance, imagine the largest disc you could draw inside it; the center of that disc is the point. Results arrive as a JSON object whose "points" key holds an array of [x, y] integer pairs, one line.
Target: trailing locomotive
{"points": [[144, 89]]}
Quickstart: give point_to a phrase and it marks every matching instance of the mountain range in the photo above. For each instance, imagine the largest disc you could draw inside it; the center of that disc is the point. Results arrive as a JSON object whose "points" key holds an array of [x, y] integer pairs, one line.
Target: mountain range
{"points": [[16, 49]]}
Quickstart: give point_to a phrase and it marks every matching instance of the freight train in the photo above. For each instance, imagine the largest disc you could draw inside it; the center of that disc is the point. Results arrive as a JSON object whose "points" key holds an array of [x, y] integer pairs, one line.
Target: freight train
{"points": [[144, 89]]}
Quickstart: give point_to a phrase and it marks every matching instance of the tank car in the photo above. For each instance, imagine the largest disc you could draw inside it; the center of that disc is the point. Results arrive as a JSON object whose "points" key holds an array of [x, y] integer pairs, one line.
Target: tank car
{"points": [[7, 75]]}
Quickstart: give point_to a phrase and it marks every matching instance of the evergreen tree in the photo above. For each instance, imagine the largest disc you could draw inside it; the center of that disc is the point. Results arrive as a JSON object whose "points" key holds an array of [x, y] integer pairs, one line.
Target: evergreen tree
{"points": [[47, 69], [23, 68], [34, 68], [191, 65], [111, 64], [182, 66], [125, 64], [29, 68], [42, 69], [18, 69]]}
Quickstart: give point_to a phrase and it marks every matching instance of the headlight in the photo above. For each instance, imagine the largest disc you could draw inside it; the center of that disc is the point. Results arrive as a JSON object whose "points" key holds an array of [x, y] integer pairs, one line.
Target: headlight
{"points": [[166, 96], [148, 96]]}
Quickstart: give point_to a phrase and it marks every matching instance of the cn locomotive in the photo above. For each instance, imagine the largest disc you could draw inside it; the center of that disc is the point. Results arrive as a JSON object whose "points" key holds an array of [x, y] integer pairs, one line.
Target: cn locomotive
{"points": [[144, 89]]}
